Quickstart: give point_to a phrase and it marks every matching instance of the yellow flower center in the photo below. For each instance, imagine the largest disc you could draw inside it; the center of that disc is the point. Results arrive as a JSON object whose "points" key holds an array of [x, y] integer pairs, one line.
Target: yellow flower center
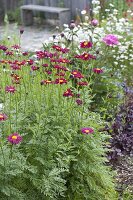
{"points": [[74, 72], [1, 116], [86, 55], [87, 131], [85, 43], [61, 81], [14, 137]]}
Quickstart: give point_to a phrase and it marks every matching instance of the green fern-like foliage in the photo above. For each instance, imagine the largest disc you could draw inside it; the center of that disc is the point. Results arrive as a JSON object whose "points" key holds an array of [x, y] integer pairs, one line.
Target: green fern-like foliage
{"points": [[54, 161]]}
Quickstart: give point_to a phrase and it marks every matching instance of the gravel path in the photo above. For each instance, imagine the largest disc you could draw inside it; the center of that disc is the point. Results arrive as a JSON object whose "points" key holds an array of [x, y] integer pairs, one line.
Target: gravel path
{"points": [[33, 36]]}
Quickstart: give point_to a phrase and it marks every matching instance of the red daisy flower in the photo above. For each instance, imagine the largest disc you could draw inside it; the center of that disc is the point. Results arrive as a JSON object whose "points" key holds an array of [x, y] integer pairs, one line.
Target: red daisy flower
{"points": [[68, 93], [45, 82], [87, 56], [3, 48], [60, 81], [63, 60], [87, 130], [58, 48], [30, 62], [97, 70], [25, 53], [14, 138], [3, 117], [77, 74], [86, 44], [16, 46], [9, 53], [34, 68]]}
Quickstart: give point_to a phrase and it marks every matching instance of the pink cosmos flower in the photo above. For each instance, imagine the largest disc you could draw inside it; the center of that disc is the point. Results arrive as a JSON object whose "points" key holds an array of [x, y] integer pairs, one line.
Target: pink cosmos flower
{"points": [[111, 40], [87, 130], [14, 138], [10, 89]]}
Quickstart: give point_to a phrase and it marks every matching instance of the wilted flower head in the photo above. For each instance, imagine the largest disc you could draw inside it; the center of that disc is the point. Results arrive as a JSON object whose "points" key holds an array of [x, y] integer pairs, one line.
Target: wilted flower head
{"points": [[111, 40], [14, 138], [79, 101], [21, 31], [87, 130]]}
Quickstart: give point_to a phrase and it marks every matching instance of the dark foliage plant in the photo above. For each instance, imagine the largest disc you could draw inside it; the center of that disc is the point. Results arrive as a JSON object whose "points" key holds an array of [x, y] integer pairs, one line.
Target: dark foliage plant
{"points": [[122, 129]]}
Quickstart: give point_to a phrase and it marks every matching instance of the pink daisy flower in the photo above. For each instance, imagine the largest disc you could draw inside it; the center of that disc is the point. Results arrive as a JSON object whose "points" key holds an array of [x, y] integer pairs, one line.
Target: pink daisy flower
{"points": [[87, 130], [14, 138]]}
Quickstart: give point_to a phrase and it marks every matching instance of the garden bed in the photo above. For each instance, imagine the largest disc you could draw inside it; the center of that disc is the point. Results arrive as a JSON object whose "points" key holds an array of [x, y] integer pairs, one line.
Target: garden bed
{"points": [[60, 112]]}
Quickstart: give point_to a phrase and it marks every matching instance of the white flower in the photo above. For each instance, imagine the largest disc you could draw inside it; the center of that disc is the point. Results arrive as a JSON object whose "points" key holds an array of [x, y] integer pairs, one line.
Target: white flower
{"points": [[83, 12], [107, 10], [111, 5], [96, 2], [65, 25]]}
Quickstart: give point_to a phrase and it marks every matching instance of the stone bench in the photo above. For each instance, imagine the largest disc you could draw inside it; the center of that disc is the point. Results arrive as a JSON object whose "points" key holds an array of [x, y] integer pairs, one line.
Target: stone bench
{"points": [[27, 13]]}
